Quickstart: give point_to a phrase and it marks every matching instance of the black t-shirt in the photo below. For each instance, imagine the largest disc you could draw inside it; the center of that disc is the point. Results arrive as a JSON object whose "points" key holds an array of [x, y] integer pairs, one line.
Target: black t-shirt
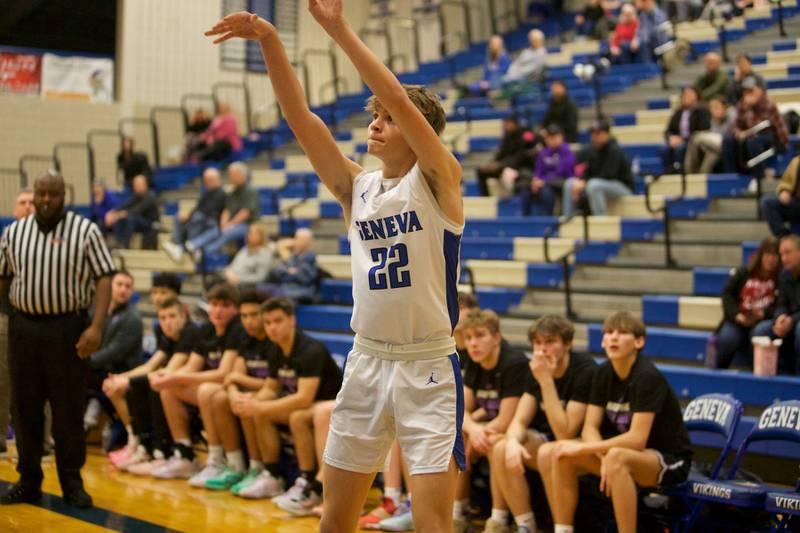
{"points": [[255, 354], [212, 347], [575, 385], [507, 379], [190, 334], [309, 358], [645, 390]]}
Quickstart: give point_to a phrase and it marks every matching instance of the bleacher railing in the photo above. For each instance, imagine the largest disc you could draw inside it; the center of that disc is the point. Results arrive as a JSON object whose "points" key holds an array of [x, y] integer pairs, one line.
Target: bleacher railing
{"points": [[10, 185], [31, 165], [564, 259], [664, 210]]}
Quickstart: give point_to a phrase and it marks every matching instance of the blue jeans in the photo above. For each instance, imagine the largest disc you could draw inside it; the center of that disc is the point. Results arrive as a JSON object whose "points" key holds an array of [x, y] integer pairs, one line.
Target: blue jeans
{"points": [[597, 191], [212, 240], [787, 356], [192, 228], [539, 204], [778, 215], [126, 227], [732, 340]]}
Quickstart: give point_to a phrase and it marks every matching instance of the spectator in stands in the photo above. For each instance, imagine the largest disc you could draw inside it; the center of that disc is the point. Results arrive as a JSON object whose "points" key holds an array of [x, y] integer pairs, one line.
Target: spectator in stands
{"points": [[689, 118], [562, 111], [530, 64], [742, 70], [132, 163], [512, 153], [211, 360], [633, 434], [552, 409], [302, 374], [607, 174], [198, 124], [121, 347], [135, 215], [204, 217], [494, 381], [786, 324], [221, 138], [703, 150], [251, 264], [714, 81], [743, 142], [495, 67], [102, 202], [747, 299], [226, 466], [466, 303], [554, 165], [242, 208], [624, 44], [652, 31], [783, 207], [296, 276], [593, 21]]}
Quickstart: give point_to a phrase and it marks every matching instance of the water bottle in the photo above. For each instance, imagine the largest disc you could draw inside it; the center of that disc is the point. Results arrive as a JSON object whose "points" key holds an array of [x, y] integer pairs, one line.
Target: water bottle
{"points": [[636, 166]]}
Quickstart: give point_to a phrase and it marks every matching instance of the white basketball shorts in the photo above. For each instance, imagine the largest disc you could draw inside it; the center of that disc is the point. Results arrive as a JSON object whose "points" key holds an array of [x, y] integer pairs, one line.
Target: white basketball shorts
{"points": [[411, 392]]}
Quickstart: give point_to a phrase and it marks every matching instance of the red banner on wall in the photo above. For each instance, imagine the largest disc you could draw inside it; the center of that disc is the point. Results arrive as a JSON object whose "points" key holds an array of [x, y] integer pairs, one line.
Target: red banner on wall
{"points": [[20, 73]]}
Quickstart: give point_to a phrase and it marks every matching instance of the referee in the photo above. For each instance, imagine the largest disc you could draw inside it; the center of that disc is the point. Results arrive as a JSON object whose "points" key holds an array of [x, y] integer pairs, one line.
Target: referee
{"points": [[56, 264]]}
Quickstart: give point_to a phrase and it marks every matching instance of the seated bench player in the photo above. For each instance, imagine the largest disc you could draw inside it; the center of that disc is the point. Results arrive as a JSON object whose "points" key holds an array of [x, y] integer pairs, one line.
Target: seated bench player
{"points": [[552, 409], [226, 467], [494, 381], [212, 359], [633, 435], [302, 375]]}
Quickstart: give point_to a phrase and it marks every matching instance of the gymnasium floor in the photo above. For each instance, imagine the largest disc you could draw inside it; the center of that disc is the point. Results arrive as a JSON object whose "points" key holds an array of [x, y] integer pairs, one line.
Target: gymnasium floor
{"points": [[128, 503]]}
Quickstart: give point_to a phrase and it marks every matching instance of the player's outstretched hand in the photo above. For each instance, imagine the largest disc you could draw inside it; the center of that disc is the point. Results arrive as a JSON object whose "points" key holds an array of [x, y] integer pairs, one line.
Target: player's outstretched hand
{"points": [[243, 25], [326, 12]]}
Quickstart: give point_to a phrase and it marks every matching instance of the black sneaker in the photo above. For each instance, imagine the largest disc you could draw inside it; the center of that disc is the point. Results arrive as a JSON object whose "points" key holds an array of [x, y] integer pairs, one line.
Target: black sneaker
{"points": [[79, 498], [20, 493]]}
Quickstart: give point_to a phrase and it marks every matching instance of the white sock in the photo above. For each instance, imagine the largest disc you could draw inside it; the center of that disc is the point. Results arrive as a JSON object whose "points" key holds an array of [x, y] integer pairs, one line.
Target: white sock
{"points": [[216, 455], [235, 460], [255, 464], [560, 528], [393, 493], [527, 520], [133, 440], [460, 507], [185, 442], [499, 515]]}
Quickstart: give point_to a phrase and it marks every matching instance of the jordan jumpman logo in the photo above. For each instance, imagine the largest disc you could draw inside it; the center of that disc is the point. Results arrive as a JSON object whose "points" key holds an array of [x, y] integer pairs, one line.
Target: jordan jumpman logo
{"points": [[432, 381]]}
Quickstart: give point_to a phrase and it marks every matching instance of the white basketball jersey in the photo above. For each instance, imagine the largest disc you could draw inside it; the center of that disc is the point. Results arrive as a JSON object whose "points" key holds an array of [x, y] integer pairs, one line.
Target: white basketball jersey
{"points": [[405, 260]]}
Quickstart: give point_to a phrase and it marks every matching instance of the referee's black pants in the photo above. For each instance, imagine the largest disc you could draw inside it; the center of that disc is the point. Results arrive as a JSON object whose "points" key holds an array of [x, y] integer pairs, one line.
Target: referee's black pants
{"points": [[44, 366]]}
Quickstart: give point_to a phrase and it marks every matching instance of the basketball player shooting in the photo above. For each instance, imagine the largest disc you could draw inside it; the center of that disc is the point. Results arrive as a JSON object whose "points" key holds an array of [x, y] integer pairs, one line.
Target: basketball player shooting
{"points": [[402, 378]]}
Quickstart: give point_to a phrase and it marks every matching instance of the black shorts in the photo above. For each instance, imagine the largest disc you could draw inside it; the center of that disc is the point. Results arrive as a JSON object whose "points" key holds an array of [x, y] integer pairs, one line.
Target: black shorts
{"points": [[674, 469]]}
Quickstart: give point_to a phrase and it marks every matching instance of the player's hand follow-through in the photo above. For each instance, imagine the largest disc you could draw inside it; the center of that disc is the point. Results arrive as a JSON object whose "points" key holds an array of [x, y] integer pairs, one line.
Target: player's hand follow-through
{"points": [[325, 11], [243, 25]]}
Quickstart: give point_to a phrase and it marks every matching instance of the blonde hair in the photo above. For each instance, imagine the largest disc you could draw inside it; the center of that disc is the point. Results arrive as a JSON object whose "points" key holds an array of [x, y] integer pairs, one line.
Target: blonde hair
{"points": [[624, 322], [482, 318], [423, 99]]}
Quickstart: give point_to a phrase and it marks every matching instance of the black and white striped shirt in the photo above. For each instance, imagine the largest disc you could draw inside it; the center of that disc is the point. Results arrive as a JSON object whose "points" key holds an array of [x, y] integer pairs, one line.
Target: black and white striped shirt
{"points": [[53, 272]]}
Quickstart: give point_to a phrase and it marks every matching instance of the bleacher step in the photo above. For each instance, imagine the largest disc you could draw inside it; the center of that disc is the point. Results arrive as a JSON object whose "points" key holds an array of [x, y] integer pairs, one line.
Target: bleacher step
{"points": [[588, 306], [732, 231], [625, 280], [684, 254]]}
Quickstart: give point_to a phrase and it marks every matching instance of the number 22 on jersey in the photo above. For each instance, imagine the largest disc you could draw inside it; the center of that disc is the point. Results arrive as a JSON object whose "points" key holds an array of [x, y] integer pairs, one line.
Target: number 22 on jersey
{"points": [[388, 273]]}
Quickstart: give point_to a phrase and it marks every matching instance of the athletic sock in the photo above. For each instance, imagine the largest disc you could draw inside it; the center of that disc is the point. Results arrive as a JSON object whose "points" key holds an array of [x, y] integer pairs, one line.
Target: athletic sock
{"points": [[393, 493], [560, 528], [133, 440], [216, 455], [500, 515], [255, 464], [527, 520], [235, 460], [274, 469], [460, 508]]}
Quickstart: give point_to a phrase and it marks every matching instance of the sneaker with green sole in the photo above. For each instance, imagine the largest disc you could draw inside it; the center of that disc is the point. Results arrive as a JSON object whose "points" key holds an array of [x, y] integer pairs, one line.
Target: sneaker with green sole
{"points": [[225, 480], [251, 476]]}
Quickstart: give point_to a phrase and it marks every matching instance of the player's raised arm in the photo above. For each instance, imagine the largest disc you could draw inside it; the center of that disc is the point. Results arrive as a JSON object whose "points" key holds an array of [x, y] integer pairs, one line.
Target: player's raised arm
{"points": [[334, 169], [436, 162]]}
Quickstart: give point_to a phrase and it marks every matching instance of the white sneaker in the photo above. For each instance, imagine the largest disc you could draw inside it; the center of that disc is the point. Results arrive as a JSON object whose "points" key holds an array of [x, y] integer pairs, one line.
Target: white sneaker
{"points": [[264, 486], [176, 468], [174, 251], [210, 471], [301, 505], [140, 455], [295, 491], [495, 526]]}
